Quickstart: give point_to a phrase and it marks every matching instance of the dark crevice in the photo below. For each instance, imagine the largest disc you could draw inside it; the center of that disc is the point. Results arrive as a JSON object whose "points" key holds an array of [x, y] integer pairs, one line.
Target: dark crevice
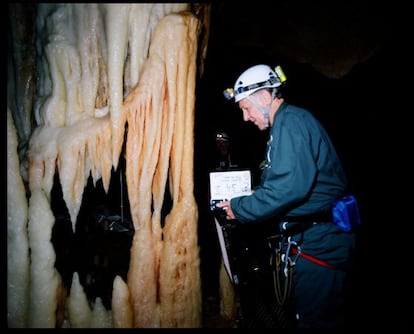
{"points": [[99, 248]]}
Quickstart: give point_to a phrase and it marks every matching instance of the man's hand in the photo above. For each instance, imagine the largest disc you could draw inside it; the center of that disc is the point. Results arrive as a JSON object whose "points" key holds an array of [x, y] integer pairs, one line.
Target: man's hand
{"points": [[226, 207]]}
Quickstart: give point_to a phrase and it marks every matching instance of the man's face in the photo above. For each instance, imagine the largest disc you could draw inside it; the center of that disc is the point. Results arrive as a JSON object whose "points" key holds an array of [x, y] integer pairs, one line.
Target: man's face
{"points": [[222, 146], [252, 114]]}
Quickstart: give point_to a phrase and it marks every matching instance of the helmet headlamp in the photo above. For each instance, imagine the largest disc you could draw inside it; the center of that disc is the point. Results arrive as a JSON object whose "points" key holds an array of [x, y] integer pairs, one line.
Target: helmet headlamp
{"points": [[223, 136], [228, 93]]}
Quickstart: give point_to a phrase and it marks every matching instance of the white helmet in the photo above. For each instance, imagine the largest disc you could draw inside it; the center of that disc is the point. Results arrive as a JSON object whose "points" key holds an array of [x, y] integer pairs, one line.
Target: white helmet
{"points": [[255, 78]]}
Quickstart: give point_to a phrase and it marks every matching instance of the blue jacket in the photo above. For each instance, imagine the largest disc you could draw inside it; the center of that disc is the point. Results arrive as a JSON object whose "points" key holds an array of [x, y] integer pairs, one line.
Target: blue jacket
{"points": [[302, 174]]}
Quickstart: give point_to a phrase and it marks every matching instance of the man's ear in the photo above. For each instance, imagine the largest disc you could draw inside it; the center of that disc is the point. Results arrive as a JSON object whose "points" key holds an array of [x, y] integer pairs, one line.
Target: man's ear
{"points": [[263, 96], [267, 96]]}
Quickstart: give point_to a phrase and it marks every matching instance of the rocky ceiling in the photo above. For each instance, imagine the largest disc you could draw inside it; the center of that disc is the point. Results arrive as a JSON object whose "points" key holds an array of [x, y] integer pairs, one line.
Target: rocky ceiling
{"points": [[332, 36]]}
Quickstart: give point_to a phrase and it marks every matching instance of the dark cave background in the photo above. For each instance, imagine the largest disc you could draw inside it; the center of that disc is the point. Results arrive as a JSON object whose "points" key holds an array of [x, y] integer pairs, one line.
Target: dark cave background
{"points": [[348, 63]]}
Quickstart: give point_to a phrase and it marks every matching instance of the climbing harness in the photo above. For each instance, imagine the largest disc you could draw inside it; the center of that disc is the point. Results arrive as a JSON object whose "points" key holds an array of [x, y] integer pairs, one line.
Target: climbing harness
{"points": [[284, 255]]}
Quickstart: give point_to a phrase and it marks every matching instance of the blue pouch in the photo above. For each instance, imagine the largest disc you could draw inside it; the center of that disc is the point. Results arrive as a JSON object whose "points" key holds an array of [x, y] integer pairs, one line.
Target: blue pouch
{"points": [[345, 213]]}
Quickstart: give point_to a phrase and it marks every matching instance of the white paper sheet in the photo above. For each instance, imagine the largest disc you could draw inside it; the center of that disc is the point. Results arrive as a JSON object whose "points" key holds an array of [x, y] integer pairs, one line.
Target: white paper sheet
{"points": [[225, 186]]}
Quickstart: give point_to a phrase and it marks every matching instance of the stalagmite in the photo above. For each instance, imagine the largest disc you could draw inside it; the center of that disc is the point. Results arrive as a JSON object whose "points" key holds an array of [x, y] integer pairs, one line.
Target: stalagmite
{"points": [[101, 318], [78, 307], [44, 279], [228, 309], [17, 238], [122, 316]]}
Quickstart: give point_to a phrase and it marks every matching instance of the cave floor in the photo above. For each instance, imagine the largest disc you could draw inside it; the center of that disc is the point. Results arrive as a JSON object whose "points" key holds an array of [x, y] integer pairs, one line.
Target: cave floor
{"points": [[212, 317]]}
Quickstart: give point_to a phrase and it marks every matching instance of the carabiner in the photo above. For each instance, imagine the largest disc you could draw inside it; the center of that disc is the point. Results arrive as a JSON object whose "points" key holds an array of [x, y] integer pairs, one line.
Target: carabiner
{"points": [[289, 262]]}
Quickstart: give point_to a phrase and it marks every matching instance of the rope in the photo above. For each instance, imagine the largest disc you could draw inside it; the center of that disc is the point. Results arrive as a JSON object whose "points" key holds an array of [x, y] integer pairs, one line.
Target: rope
{"points": [[281, 296]]}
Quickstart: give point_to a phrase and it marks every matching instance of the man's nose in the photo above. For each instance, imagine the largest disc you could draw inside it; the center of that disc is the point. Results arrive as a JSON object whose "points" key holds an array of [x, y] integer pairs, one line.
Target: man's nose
{"points": [[245, 116]]}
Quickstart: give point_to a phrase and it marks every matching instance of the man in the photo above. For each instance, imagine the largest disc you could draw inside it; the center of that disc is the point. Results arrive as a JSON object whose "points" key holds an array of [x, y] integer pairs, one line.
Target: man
{"points": [[224, 157], [302, 176]]}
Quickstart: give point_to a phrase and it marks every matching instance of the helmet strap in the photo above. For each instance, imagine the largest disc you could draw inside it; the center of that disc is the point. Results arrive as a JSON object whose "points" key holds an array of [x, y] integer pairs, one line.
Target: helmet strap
{"points": [[264, 110]]}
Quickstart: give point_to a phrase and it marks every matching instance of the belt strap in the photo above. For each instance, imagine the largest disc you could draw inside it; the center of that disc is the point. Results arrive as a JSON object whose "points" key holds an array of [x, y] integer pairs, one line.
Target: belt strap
{"points": [[295, 251]]}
